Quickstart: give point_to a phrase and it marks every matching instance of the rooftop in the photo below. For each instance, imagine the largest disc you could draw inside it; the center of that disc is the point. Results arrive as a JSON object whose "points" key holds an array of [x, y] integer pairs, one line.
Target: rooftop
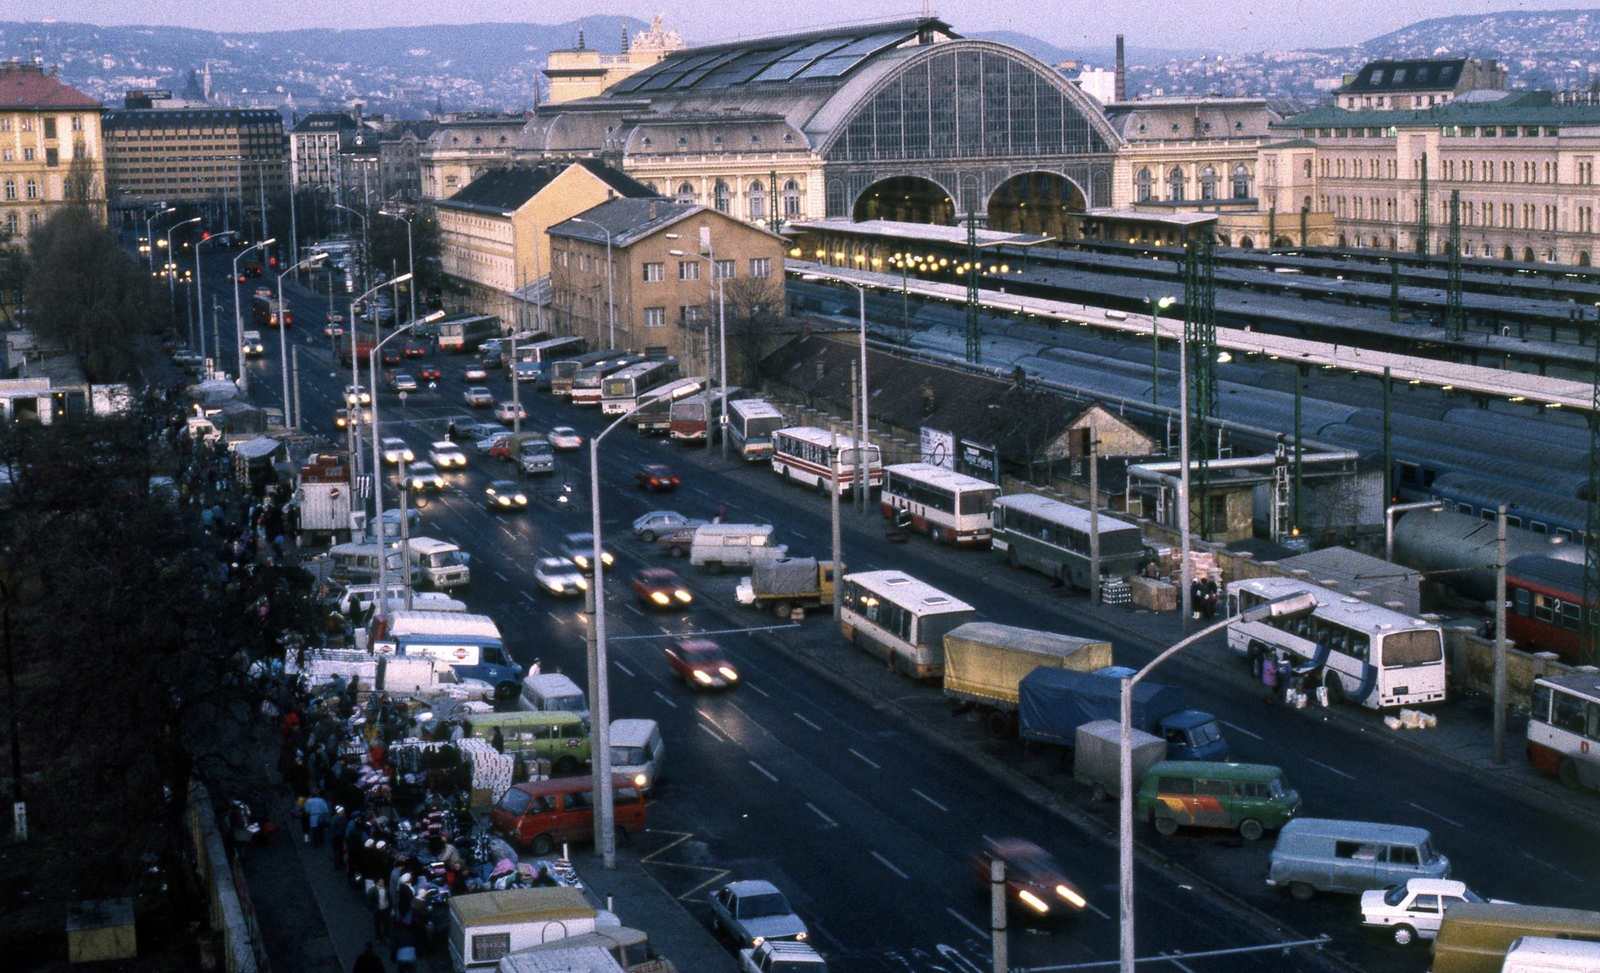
{"points": [[626, 220], [28, 86], [924, 232], [1515, 108], [1427, 74], [506, 190]]}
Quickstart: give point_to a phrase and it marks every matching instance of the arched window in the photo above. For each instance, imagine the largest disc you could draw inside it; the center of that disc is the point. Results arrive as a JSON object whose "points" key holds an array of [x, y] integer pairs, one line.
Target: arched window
{"points": [[1308, 169], [1208, 183], [686, 194], [719, 196], [835, 198], [11, 189], [1241, 182], [1142, 183], [791, 198], [32, 190], [1175, 185], [758, 201]]}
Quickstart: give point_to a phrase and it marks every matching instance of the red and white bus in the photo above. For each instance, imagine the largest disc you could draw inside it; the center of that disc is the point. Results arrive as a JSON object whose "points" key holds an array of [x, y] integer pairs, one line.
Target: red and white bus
{"points": [[800, 455], [1564, 728], [950, 507]]}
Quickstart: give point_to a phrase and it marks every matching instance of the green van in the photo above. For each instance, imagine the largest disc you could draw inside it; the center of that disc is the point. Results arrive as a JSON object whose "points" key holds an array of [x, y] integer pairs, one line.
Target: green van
{"points": [[1475, 936], [560, 737], [1253, 798]]}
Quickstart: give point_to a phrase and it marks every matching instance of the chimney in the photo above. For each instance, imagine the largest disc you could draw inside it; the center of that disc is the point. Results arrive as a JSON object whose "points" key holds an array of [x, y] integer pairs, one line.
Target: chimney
{"points": [[1122, 71], [624, 37]]}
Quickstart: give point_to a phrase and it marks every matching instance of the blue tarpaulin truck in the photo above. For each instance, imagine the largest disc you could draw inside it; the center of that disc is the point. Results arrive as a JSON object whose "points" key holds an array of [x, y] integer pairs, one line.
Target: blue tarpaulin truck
{"points": [[1052, 703]]}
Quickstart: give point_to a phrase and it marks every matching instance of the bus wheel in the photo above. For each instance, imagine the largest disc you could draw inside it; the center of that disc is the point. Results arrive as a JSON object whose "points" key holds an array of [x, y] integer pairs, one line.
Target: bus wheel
{"points": [[1001, 726], [1567, 773], [1335, 687], [936, 534], [566, 765], [822, 486]]}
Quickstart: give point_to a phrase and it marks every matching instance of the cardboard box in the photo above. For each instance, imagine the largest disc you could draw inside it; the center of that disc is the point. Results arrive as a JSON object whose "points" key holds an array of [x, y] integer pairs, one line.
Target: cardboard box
{"points": [[1154, 595], [482, 797]]}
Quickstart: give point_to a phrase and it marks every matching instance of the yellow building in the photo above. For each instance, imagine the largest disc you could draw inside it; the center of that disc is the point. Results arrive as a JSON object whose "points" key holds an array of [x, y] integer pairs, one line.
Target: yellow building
{"points": [[493, 234], [46, 127], [583, 73]]}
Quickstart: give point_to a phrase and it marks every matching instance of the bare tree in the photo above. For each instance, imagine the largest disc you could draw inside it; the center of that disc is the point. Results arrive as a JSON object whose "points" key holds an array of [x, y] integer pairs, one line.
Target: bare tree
{"points": [[86, 294], [754, 309]]}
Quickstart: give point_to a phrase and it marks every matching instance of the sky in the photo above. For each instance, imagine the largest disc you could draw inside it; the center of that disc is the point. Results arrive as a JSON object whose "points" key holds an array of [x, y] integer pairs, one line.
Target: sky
{"points": [[1227, 25]]}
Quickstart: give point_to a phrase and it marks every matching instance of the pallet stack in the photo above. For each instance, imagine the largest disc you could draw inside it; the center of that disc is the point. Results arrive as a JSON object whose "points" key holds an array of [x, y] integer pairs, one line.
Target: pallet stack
{"points": [[491, 771]]}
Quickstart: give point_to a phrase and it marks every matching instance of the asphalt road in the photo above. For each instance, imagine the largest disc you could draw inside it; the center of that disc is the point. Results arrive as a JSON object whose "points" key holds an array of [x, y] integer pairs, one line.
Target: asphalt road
{"points": [[842, 804]]}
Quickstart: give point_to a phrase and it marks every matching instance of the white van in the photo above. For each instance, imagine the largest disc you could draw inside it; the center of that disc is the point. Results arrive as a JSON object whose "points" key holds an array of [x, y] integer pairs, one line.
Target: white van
{"points": [[636, 751], [1537, 954], [553, 692], [358, 563], [442, 564], [718, 545]]}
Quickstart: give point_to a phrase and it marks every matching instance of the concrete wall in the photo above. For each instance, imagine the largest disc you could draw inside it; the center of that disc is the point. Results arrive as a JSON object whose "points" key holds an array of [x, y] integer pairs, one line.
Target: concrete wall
{"points": [[232, 920]]}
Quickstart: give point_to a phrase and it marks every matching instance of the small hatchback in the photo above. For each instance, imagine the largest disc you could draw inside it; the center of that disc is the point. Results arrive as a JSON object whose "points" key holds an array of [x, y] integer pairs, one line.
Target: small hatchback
{"points": [[1415, 909], [542, 815], [1254, 798]]}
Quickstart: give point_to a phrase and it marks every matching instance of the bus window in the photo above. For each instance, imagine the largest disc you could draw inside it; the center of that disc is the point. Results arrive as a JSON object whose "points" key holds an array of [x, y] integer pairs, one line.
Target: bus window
{"points": [[1537, 527], [1568, 713], [1411, 648], [1360, 646], [1464, 508], [1539, 709], [1593, 730]]}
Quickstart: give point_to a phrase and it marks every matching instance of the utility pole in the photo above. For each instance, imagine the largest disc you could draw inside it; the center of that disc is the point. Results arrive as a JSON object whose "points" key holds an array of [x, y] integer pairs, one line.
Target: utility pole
{"points": [[1455, 318], [1272, 226], [1200, 326], [974, 322], [1299, 450], [1589, 647], [1388, 452], [833, 503], [997, 913], [294, 354], [1094, 517], [1394, 290], [1500, 637], [1423, 230]]}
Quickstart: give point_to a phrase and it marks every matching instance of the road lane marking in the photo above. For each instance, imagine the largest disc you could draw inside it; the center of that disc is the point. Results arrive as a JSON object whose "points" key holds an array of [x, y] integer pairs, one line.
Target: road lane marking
{"points": [[807, 722], [1434, 814], [715, 631], [759, 769], [866, 761], [636, 611], [555, 618], [622, 667], [670, 702], [1179, 965], [930, 800], [496, 574], [889, 865], [1332, 770], [1237, 728], [831, 822], [1092, 908], [714, 734], [758, 689], [529, 597], [967, 922], [508, 533]]}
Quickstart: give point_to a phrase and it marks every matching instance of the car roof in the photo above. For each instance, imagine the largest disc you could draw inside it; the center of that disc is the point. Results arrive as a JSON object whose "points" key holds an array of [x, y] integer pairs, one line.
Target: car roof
{"points": [[501, 484], [751, 886], [561, 562], [1206, 768], [697, 645], [444, 444], [1354, 830], [1436, 886], [662, 573]]}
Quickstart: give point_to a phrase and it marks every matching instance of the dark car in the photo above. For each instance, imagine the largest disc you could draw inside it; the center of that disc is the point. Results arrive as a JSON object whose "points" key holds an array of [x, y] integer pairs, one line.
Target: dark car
{"points": [[656, 476], [430, 373], [700, 664], [392, 355], [676, 543], [506, 495], [1035, 882], [416, 349], [661, 588]]}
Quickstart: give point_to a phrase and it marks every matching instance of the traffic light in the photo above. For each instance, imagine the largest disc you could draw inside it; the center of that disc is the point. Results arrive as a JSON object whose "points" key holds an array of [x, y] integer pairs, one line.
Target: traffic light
{"points": [[205, 235]]}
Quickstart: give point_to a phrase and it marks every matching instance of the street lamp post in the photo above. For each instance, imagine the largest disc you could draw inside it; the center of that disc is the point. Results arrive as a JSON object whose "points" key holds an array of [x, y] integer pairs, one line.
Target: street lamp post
{"points": [[1156, 307], [1290, 606], [171, 267], [283, 332], [354, 413], [861, 486], [149, 239], [238, 313], [411, 261], [377, 464], [611, 274], [200, 289], [366, 253]]}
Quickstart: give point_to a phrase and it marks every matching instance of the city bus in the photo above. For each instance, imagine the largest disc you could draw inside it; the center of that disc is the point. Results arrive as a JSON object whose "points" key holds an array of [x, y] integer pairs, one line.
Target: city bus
{"points": [[751, 423], [950, 507], [655, 418], [1052, 538], [1564, 728], [689, 415], [534, 361], [1361, 652], [267, 310], [588, 385], [464, 332], [900, 620], [800, 455], [563, 370], [622, 390]]}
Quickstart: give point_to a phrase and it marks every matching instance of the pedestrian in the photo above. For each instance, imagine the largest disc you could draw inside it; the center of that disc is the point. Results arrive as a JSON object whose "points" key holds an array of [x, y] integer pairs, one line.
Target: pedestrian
{"points": [[498, 741], [368, 962], [316, 818], [722, 513], [378, 902]]}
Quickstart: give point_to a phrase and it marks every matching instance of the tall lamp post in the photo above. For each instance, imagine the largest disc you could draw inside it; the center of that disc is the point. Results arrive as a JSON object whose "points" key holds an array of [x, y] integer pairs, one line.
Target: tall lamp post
{"points": [[366, 253], [200, 289], [411, 261], [611, 275], [605, 825], [716, 286], [149, 240], [377, 457], [861, 443], [1288, 607], [172, 266], [1157, 305], [283, 332], [353, 399], [238, 313]]}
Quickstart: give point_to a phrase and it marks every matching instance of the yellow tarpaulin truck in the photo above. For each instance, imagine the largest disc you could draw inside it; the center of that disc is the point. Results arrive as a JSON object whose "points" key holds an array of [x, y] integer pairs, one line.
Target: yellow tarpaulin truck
{"points": [[984, 662]]}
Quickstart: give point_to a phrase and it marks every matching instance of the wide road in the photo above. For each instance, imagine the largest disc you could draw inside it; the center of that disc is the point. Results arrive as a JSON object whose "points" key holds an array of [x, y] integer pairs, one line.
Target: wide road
{"points": [[850, 810]]}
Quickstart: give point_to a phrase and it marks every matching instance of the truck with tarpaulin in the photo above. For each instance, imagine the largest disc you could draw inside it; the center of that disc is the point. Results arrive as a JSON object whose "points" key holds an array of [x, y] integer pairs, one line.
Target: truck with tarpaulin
{"points": [[323, 499], [985, 662], [787, 583], [1053, 703]]}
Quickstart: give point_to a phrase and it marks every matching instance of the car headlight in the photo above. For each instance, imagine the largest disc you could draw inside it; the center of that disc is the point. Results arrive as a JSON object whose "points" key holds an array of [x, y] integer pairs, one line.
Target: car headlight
{"points": [[639, 780], [757, 940], [799, 936], [659, 597], [605, 558], [521, 500], [682, 596], [728, 673], [1077, 900], [583, 584], [701, 676], [502, 501], [580, 560], [557, 587], [1033, 901]]}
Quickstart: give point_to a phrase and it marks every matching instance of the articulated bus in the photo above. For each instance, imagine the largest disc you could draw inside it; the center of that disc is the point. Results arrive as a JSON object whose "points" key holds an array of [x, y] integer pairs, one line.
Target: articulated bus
{"points": [[950, 507], [1052, 538], [1564, 728], [751, 424], [623, 389], [1364, 653], [655, 418], [588, 385], [563, 370], [534, 361], [800, 455], [901, 620]]}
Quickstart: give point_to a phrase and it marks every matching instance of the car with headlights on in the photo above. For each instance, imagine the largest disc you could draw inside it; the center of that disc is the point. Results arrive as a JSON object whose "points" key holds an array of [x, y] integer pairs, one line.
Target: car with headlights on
{"points": [[1414, 910], [395, 451], [580, 547], [754, 912], [506, 495], [357, 393], [478, 397], [661, 588], [446, 455], [1036, 884], [656, 476], [252, 345], [423, 476], [559, 576], [565, 438], [700, 664]]}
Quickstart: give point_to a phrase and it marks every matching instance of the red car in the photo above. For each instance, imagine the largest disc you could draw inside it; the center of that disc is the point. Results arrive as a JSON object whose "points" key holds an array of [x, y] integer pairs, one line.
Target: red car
{"points": [[430, 373], [660, 588], [656, 476], [699, 663], [1035, 881], [416, 349]]}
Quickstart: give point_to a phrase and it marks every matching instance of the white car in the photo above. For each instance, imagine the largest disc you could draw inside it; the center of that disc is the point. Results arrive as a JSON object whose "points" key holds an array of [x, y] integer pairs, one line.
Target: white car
{"points": [[357, 393], [1414, 910], [565, 438], [559, 576], [422, 476], [782, 956], [478, 397], [252, 344], [395, 451], [445, 454], [509, 411]]}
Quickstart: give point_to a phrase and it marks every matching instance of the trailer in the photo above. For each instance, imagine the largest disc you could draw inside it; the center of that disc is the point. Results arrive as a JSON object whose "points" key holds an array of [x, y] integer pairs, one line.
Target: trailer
{"points": [[985, 662], [323, 497]]}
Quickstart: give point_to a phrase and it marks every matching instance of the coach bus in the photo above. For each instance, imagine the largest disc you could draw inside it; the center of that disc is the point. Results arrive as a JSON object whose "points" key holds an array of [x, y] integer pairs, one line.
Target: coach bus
{"points": [[901, 620], [751, 424], [534, 361], [1052, 538], [654, 418], [460, 333], [1361, 652], [622, 390], [563, 370], [950, 507], [1564, 728], [800, 455], [588, 385]]}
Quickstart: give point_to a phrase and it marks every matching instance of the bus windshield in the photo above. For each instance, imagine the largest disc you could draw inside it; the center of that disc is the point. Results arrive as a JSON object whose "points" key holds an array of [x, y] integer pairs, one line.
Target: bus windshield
{"points": [[978, 501], [1415, 648]]}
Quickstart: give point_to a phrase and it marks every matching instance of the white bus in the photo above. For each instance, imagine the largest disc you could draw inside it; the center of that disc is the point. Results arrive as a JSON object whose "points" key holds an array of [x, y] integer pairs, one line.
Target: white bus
{"points": [[588, 385], [751, 423], [1361, 652], [622, 389], [1564, 728], [800, 455], [950, 507], [1052, 538], [901, 620], [655, 418]]}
